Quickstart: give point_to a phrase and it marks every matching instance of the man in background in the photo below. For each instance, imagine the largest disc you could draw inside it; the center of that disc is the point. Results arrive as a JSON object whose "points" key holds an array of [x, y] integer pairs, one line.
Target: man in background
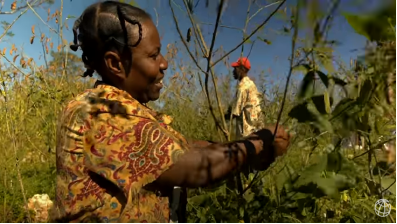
{"points": [[246, 109]]}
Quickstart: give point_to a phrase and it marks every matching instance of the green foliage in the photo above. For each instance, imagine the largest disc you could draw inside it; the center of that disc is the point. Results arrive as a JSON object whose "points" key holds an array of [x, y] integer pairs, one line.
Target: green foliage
{"points": [[378, 25]]}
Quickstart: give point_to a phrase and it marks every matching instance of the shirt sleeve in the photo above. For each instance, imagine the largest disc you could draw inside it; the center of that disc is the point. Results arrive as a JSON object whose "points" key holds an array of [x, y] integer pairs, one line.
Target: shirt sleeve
{"points": [[240, 103], [130, 152]]}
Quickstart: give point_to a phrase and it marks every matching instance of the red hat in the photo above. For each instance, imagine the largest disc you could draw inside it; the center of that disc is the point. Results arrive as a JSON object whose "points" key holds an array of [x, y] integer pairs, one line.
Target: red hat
{"points": [[242, 61]]}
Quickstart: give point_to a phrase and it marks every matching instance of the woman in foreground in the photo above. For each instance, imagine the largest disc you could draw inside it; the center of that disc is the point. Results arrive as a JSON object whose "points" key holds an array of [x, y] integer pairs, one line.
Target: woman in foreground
{"points": [[118, 160]]}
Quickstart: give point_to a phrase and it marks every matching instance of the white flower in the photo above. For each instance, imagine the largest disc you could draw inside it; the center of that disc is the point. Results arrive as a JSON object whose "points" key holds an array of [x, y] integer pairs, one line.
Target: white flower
{"points": [[40, 204]]}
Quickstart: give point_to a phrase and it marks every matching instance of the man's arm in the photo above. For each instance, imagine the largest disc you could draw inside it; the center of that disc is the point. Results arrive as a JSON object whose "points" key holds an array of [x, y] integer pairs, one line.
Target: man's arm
{"points": [[240, 103], [235, 111]]}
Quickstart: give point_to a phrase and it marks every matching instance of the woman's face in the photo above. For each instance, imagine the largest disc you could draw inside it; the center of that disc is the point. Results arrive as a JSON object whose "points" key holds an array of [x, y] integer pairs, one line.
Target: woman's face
{"points": [[145, 78]]}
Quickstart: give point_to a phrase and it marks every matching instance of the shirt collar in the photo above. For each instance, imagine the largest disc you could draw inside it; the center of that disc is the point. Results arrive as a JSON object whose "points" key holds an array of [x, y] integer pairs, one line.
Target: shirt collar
{"points": [[244, 81], [109, 99]]}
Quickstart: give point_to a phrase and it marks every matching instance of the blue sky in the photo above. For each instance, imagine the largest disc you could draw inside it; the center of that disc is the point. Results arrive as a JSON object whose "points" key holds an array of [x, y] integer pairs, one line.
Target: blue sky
{"points": [[269, 58]]}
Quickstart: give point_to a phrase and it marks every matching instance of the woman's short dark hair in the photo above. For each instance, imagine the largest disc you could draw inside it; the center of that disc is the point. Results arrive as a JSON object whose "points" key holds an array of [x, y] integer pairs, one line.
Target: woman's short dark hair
{"points": [[102, 27]]}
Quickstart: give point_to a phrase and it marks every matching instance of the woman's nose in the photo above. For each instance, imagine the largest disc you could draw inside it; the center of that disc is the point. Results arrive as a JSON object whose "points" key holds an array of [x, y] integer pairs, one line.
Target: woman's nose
{"points": [[163, 63]]}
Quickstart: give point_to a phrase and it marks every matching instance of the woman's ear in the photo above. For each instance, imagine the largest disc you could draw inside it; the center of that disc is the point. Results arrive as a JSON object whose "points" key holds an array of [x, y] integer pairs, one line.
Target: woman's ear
{"points": [[113, 64]]}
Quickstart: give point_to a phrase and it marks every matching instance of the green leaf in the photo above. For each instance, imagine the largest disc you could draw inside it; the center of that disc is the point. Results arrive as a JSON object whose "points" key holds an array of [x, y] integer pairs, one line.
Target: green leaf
{"points": [[334, 161], [241, 211], [299, 196], [357, 23], [328, 186], [280, 180], [345, 219], [304, 68], [202, 215], [320, 103], [342, 106], [365, 92], [339, 81], [323, 77], [198, 199], [386, 182], [268, 42], [357, 218], [367, 206], [327, 102], [306, 89], [374, 25], [286, 29], [248, 41], [301, 113]]}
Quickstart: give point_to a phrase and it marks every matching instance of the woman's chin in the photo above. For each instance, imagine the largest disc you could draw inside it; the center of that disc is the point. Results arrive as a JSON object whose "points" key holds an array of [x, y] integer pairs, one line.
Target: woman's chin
{"points": [[155, 95]]}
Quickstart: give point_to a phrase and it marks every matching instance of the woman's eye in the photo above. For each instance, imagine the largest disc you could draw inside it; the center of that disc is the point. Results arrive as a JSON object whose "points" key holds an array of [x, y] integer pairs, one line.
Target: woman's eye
{"points": [[154, 56]]}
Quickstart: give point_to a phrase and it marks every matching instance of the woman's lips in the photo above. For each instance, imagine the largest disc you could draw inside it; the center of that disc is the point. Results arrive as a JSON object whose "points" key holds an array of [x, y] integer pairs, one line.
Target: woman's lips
{"points": [[159, 84]]}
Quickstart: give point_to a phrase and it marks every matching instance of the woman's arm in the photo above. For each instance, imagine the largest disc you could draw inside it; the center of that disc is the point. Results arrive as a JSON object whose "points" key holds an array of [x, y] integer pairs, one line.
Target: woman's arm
{"points": [[199, 143], [202, 166]]}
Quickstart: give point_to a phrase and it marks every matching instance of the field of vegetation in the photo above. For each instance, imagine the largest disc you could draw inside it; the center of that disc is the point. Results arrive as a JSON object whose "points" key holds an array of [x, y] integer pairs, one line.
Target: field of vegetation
{"points": [[322, 178]]}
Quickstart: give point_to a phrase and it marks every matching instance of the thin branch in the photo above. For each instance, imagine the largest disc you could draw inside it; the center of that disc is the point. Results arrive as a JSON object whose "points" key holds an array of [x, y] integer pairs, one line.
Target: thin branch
{"points": [[183, 39], [263, 7], [290, 69], [178, 6], [249, 36], [332, 11], [22, 7], [389, 186], [44, 51], [192, 57], [223, 26], [245, 25], [38, 16], [379, 176], [214, 35], [377, 146], [64, 48], [209, 55], [252, 45], [13, 65], [195, 28], [13, 22]]}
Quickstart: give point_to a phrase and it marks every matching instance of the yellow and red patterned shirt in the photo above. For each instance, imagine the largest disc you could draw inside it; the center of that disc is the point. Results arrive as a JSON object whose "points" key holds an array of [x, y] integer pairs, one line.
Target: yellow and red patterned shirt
{"points": [[247, 107], [109, 148]]}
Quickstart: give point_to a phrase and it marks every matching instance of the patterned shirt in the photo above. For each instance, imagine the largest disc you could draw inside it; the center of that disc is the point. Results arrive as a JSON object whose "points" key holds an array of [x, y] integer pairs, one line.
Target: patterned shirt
{"points": [[109, 148], [247, 107]]}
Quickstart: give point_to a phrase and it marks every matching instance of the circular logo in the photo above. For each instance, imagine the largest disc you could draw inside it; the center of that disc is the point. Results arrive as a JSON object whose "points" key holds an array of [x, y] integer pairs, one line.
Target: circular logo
{"points": [[382, 207]]}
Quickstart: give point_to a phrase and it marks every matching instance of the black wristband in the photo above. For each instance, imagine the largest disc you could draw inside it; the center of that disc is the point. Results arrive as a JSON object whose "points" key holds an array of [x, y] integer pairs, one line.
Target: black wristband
{"points": [[250, 149]]}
